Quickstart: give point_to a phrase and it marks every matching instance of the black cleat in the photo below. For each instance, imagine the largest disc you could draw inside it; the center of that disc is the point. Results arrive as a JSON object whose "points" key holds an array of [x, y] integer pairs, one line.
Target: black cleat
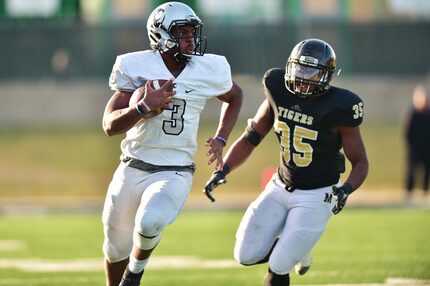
{"points": [[130, 279]]}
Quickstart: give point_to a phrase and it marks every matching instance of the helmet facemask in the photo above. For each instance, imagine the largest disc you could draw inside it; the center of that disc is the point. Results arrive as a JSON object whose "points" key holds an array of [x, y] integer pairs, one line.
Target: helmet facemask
{"points": [[199, 43], [305, 79]]}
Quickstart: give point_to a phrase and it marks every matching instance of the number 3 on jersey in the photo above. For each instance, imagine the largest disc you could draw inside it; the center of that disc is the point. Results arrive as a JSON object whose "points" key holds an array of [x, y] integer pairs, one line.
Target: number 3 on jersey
{"points": [[300, 152], [175, 124]]}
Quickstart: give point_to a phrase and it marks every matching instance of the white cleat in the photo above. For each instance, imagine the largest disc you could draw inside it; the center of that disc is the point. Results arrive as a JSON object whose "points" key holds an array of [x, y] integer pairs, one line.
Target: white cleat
{"points": [[303, 266]]}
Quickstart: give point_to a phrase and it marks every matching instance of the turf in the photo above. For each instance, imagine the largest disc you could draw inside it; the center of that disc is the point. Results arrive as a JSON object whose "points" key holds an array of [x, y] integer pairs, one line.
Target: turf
{"points": [[359, 246]]}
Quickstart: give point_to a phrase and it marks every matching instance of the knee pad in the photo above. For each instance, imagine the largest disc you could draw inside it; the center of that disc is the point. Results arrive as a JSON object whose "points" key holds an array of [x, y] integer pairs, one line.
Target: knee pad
{"points": [[247, 255], [246, 258], [246, 261], [144, 242], [114, 254], [291, 251], [147, 233], [151, 223], [117, 244]]}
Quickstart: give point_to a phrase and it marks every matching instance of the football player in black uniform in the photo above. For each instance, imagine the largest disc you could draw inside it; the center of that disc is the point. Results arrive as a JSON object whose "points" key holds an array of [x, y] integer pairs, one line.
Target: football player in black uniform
{"points": [[313, 122]]}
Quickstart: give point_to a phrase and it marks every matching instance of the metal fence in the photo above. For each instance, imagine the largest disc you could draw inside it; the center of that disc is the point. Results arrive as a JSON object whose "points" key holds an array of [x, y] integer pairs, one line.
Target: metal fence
{"points": [[33, 51]]}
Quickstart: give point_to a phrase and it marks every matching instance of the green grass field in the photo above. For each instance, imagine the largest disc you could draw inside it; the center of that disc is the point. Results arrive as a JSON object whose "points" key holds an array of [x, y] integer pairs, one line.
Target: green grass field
{"points": [[57, 247], [360, 246]]}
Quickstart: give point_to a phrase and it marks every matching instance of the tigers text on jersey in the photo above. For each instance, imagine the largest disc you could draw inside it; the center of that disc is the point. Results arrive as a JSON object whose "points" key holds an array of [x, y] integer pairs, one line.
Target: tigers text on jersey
{"points": [[310, 151], [170, 138]]}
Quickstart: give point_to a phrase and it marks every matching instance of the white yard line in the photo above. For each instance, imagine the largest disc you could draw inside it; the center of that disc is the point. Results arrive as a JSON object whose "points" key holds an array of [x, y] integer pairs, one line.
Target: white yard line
{"points": [[163, 262], [96, 264]]}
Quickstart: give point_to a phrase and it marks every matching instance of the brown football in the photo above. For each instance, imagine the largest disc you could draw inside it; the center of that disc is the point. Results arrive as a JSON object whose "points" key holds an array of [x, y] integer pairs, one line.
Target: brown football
{"points": [[140, 92], [159, 83]]}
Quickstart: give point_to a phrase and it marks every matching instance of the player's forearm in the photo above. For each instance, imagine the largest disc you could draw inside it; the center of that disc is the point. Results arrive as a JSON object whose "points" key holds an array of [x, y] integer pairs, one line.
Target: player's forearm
{"points": [[120, 121], [238, 153], [229, 115], [358, 173]]}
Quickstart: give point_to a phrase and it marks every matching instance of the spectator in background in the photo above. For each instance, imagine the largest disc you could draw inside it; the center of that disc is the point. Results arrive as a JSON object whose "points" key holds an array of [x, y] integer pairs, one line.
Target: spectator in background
{"points": [[418, 141]]}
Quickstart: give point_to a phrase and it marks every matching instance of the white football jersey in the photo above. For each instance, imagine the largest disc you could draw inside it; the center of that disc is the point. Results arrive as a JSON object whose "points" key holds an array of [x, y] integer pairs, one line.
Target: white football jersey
{"points": [[171, 137]]}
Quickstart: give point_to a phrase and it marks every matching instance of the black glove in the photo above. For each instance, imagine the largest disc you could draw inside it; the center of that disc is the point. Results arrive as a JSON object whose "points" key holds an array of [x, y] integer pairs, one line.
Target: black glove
{"points": [[218, 178], [342, 194]]}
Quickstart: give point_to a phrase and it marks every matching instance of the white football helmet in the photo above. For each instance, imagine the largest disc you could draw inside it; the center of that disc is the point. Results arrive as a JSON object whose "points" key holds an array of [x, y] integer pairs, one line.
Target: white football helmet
{"points": [[163, 19]]}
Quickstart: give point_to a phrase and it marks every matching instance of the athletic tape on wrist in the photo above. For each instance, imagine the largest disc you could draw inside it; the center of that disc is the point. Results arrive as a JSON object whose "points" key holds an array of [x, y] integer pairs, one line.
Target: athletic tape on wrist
{"points": [[139, 110]]}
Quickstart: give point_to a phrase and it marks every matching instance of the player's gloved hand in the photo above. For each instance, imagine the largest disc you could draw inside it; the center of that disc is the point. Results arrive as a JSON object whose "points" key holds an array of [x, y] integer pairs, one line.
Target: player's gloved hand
{"points": [[217, 178], [341, 194]]}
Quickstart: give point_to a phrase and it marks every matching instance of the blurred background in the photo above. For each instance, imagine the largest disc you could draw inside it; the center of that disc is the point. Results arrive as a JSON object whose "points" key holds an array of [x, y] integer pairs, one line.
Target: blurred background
{"points": [[56, 58]]}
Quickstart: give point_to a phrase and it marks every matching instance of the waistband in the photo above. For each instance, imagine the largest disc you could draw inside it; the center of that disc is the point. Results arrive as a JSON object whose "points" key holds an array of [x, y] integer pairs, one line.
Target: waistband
{"points": [[150, 168]]}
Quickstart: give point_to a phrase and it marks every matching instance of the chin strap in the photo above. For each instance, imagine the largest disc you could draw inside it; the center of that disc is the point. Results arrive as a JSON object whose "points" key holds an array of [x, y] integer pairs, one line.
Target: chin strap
{"points": [[181, 58]]}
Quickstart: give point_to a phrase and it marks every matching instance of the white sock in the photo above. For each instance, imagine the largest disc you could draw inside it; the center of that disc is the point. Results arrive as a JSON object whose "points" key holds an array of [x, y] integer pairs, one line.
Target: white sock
{"points": [[136, 266]]}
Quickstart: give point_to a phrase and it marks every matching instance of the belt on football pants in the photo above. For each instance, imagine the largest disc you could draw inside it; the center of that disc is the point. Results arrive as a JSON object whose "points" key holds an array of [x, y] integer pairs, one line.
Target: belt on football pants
{"points": [[150, 168]]}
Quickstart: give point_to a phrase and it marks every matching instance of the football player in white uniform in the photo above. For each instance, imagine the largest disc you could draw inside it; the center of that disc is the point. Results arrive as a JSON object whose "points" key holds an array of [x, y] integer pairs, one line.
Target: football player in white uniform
{"points": [[313, 122], [153, 179]]}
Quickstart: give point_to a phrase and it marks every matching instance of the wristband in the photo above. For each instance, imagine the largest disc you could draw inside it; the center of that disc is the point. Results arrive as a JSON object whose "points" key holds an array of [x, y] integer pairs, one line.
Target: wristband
{"points": [[226, 169], [220, 138], [139, 110], [347, 187]]}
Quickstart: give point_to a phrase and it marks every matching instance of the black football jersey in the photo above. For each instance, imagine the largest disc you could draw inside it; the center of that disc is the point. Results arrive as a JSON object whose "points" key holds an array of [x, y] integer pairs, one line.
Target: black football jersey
{"points": [[310, 151]]}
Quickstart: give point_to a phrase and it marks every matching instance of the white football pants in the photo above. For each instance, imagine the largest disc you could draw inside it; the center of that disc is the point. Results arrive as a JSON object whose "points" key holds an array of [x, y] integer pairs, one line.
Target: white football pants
{"points": [[143, 202], [298, 219]]}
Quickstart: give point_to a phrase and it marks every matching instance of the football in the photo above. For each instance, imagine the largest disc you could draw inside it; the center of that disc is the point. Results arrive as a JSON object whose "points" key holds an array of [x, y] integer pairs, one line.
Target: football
{"points": [[140, 92]]}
